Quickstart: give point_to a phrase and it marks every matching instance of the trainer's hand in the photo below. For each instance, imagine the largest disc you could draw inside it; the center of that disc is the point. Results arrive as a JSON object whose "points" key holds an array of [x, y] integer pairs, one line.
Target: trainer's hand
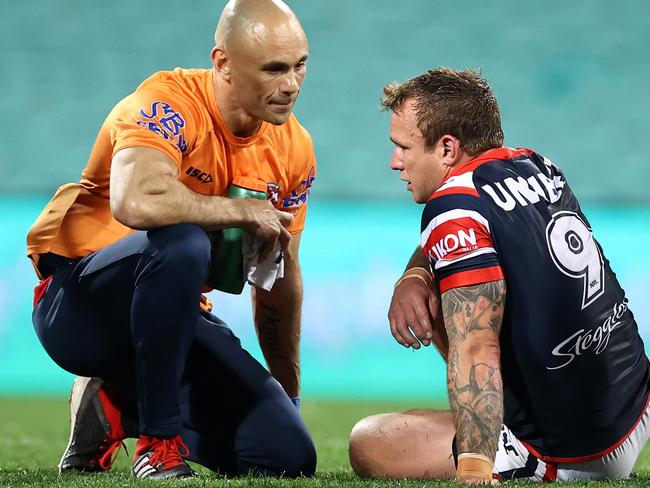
{"points": [[414, 309], [263, 221]]}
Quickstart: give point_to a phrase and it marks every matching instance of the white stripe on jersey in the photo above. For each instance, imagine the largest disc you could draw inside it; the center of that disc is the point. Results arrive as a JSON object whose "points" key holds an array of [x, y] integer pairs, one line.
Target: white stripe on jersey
{"points": [[451, 215], [463, 181], [443, 262]]}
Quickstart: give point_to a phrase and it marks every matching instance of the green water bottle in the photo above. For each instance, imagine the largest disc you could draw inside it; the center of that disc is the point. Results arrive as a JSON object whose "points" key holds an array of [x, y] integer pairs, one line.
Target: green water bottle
{"points": [[227, 262]]}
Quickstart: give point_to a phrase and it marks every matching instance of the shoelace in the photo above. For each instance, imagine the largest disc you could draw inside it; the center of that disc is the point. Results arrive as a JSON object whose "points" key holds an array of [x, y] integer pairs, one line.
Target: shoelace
{"points": [[110, 451], [168, 452]]}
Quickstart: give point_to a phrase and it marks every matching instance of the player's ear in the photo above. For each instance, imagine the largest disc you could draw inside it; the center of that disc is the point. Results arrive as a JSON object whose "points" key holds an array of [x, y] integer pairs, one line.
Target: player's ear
{"points": [[451, 151], [221, 62]]}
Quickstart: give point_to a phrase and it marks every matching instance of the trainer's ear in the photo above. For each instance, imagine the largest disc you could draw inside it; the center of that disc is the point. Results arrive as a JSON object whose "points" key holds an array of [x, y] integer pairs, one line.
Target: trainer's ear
{"points": [[450, 150], [221, 62]]}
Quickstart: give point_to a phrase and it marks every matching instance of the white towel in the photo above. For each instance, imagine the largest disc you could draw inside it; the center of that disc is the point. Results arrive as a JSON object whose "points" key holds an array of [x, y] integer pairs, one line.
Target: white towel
{"points": [[262, 275]]}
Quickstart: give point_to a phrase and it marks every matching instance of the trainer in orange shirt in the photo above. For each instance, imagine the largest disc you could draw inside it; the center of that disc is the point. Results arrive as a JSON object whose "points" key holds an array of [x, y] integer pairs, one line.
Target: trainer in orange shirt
{"points": [[123, 256]]}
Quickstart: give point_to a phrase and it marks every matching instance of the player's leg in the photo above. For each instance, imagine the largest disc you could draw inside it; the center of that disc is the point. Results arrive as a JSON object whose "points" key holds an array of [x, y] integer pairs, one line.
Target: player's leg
{"points": [[238, 418], [419, 444], [411, 444]]}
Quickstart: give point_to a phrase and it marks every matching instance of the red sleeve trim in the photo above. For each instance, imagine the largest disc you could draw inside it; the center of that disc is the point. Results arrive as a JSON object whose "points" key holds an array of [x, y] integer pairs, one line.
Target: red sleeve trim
{"points": [[471, 277]]}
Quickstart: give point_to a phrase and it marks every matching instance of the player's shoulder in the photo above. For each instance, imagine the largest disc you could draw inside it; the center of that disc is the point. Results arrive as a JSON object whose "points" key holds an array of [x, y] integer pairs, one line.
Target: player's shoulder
{"points": [[458, 191], [465, 186], [504, 162]]}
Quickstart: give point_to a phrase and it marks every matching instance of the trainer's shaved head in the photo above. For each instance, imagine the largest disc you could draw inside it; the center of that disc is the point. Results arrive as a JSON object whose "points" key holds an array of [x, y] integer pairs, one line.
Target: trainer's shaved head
{"points": [[243, 21], [259, 61]]}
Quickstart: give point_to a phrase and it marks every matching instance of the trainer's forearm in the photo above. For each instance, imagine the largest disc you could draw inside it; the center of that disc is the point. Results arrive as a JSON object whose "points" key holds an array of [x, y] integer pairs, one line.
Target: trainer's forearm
{"points": [[277, 316], [473, 316]]}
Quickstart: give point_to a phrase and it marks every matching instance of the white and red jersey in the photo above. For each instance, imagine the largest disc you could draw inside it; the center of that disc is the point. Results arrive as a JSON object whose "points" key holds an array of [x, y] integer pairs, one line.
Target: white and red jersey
{"points": [[575, 374]]}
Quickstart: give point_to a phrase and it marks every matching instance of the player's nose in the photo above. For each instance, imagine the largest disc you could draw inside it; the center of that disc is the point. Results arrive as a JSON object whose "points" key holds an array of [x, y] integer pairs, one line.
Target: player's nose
{"points": [[396, 163]]}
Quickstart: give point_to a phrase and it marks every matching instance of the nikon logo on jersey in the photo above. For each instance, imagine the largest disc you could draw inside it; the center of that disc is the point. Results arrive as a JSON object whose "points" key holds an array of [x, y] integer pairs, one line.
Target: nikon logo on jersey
{"points": [[456, 235], [458, 241], [524, 191]]}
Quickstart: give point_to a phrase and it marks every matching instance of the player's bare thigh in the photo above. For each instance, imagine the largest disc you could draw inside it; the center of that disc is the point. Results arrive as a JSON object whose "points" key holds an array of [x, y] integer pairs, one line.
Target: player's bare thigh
{"points": [[411, 444]]}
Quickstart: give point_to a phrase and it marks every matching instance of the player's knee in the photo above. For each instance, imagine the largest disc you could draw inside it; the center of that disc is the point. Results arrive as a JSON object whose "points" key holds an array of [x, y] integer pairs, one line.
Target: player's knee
{"points": [[362, 447]]}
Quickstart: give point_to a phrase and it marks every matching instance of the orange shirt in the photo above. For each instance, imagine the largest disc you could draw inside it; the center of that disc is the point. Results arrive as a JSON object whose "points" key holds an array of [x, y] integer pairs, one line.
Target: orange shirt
{"points": [[176, 112]]}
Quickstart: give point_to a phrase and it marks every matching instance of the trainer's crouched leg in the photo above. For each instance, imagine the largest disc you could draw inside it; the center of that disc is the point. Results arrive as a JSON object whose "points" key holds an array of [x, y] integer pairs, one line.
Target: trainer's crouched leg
{"points": [[301, 456], [411, 444], [238, 419], [282, 449], [294, 454], [184, 249]]}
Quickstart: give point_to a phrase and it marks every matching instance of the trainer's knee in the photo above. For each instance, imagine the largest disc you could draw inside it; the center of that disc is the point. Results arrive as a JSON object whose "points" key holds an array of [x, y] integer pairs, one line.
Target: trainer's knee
{"points": [[298, 457], [183, 246]]}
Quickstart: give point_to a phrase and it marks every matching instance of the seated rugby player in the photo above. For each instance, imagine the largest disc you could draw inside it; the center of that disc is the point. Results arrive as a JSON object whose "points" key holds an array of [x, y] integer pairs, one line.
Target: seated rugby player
{"points": [[546, 372]]}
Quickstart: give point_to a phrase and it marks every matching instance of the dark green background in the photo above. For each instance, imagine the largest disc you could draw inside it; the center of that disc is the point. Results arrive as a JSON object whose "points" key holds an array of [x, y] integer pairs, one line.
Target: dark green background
{"points": [[571, 76]]}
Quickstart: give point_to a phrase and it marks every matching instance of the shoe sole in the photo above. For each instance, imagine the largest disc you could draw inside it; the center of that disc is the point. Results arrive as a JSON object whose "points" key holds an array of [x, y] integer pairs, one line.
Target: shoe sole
{"points": [[79, 387]]}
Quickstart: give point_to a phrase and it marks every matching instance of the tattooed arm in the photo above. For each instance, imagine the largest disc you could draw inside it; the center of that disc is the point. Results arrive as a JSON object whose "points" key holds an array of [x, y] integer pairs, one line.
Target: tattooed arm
{"points": [[473, 316], [277, 316]]}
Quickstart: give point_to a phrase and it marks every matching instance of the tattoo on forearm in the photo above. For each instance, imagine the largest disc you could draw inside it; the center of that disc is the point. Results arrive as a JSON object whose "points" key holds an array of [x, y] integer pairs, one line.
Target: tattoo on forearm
{"points": [[268, 330], [475, 387]]}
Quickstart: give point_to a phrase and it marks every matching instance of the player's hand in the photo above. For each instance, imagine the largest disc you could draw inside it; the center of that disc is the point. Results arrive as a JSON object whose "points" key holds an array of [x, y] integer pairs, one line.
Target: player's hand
{"points": [[414, 309], [266, 223]]}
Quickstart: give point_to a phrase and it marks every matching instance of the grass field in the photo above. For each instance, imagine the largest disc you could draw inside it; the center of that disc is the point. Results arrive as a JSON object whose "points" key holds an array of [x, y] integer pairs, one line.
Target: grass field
{"points": [[33, 432]]}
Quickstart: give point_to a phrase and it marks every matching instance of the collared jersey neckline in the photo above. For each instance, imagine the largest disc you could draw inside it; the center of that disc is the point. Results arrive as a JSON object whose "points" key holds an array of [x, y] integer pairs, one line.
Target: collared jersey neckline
{"points": [[497, 154]]}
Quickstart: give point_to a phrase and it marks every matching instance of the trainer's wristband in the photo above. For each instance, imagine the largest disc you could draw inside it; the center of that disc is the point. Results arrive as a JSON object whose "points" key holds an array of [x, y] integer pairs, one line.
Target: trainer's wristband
{"points": [[295, 401], [474, 466], [416, 272]]}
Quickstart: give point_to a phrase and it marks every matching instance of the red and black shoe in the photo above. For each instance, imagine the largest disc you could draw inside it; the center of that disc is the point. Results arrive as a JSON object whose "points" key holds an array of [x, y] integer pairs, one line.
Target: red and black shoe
{"points": [[158, 458], [96, 431]]}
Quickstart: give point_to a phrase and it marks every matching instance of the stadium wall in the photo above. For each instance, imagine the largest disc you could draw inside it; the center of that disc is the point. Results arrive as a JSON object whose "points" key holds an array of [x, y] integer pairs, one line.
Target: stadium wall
{"points": [[571, 78]]}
